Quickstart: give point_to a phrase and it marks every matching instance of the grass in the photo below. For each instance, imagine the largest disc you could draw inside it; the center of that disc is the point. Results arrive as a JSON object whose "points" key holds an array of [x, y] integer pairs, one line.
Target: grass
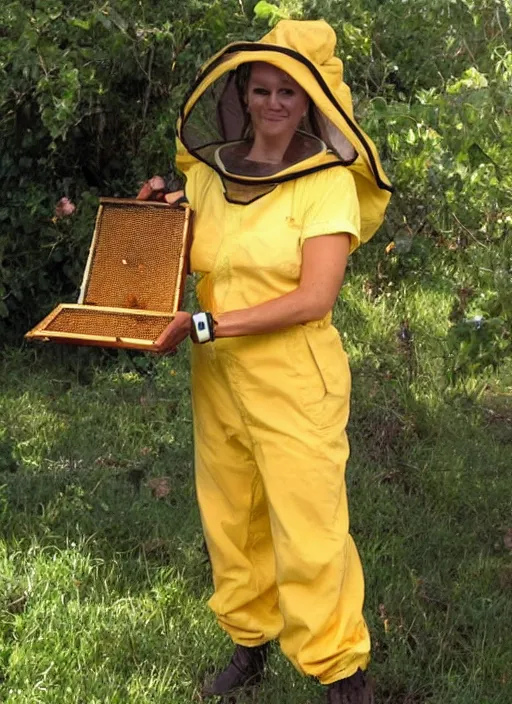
{"points": [[103, 585]]}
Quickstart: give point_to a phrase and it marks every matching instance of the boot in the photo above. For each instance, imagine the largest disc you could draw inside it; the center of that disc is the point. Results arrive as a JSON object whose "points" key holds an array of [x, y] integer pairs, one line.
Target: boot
{"points": [[245, 669], [356, 689]]}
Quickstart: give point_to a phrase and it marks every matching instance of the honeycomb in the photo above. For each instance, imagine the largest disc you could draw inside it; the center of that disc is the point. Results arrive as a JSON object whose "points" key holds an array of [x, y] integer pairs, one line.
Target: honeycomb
{"points": [[136, 257], [77, 322], [136, 263]]}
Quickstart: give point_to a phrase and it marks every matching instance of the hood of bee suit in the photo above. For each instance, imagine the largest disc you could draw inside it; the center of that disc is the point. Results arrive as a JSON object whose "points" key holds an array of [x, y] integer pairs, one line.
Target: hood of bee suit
{"points": [[214, 126]]}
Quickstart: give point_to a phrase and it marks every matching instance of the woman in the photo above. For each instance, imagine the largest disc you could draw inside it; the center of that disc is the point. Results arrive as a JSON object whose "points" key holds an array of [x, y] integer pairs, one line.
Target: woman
{"points": [[284, 185]]}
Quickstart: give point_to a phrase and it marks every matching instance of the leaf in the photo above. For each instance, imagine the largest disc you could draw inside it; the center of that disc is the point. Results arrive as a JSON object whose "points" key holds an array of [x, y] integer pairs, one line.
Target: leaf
{"points": [[155, 545], [160, 487], [117, 19], [471, 79], [103, 20], [81, 24], [264, 10]]}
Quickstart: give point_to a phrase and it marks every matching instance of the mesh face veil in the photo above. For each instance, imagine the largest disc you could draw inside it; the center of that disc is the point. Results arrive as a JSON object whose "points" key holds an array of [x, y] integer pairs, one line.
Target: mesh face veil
{"points": [[215, 126]]}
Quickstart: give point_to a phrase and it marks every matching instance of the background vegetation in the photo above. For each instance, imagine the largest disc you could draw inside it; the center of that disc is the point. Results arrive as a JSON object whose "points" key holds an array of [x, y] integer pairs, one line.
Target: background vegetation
{"points": [[102, 574]]}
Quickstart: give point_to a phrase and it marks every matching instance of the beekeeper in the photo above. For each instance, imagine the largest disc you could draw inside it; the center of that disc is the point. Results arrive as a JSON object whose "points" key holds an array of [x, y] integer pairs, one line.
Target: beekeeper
{"points": [[285, 185]]}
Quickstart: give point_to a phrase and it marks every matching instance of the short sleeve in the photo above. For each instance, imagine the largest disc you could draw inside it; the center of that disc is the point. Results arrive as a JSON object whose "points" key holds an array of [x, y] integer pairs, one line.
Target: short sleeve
{"points": [[331, 205], [197, 182]]}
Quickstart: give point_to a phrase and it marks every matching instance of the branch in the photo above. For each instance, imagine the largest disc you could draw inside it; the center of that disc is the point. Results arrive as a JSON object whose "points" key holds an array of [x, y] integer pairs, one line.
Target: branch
{"points": [[475, 239], [147, 94]]}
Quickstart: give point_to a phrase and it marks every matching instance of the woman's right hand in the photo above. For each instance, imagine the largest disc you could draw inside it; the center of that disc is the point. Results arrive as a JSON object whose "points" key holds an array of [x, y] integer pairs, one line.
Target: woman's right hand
{"points": [[154, 189], [177, 331]]}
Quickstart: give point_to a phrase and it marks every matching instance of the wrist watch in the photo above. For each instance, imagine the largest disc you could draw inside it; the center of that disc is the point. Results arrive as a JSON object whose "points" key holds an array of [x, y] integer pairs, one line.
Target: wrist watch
{"points": [[203, 328]]}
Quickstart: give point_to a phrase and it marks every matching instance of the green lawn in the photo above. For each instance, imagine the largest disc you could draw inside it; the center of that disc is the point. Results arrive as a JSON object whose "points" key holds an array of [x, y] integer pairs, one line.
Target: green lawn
{"points": [[103, 583]]}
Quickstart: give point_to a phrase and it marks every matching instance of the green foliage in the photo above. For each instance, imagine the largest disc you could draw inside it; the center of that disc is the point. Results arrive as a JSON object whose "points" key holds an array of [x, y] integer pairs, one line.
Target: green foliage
{"points": [[90, 92], [480, 338], [89, 96], [433, 86], [272, 13]]}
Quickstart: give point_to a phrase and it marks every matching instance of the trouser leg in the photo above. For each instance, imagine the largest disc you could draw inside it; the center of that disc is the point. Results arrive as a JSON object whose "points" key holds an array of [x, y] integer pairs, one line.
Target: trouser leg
{"points": [[319, 574], [301, 449], [234, 515]]}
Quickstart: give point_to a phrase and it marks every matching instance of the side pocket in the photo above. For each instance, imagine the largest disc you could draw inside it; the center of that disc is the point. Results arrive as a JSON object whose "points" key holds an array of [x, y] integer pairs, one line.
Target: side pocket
{"points": [[325, 393], [330, 359]]}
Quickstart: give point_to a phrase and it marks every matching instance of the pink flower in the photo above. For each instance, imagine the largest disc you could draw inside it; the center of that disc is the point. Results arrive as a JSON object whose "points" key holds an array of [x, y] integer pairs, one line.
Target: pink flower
{"points": [[64, 208]]}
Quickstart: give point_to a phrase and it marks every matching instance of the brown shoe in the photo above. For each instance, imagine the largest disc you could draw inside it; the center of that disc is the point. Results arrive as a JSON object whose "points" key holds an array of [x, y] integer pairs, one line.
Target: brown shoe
{"points": [[245, 670], [356, 689]]}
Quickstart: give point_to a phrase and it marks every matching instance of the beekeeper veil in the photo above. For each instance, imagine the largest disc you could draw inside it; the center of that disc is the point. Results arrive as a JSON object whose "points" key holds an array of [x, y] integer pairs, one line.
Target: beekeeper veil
{"points": [[215, 127]]}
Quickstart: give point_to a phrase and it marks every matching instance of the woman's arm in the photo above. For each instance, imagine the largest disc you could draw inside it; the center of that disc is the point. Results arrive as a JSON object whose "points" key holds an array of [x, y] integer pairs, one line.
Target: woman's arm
{"points": [[324, 260]]}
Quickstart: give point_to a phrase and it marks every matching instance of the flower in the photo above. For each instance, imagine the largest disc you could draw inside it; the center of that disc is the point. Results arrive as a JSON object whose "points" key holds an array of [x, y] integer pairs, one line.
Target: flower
{"points": [[64, 208]]}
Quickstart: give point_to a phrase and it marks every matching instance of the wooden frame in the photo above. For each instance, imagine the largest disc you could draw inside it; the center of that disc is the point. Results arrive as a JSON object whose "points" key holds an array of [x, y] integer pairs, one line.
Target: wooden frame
{"points": [[42, 331]]}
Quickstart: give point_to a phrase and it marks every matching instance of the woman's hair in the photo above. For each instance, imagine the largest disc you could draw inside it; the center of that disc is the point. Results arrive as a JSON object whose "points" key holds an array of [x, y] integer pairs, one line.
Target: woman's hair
{"points": [[242, 76]]}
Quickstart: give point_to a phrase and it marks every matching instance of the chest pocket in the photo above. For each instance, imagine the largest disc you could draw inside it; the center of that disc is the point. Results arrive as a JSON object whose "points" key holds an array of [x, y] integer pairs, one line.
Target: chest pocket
{"points": [[275, 252]]}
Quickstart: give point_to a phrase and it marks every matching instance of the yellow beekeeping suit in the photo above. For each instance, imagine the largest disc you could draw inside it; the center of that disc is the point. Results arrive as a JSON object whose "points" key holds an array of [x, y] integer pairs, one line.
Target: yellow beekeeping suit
{"points": [[270, 411]]}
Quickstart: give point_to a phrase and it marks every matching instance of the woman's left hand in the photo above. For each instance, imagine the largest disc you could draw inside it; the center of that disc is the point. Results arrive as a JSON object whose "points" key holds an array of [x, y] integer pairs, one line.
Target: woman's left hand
{"points": [[177, 331]]}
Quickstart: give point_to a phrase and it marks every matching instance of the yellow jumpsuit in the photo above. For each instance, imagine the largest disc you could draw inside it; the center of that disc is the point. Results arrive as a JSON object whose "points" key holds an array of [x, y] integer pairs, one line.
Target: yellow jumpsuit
{"points": [[270, 413]]}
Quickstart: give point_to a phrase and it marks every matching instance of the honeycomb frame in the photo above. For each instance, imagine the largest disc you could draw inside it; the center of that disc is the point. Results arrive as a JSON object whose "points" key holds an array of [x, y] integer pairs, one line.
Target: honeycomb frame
{"points": [[133, 281]]}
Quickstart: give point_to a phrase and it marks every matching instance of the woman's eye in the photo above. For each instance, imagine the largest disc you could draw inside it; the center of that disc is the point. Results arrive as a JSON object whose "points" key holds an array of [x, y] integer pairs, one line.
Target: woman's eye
{"points": [[288, 92]]}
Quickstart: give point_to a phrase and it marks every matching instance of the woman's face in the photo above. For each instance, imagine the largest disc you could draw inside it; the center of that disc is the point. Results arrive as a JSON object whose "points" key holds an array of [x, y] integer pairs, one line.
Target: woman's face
{"points": [[276, 103]]}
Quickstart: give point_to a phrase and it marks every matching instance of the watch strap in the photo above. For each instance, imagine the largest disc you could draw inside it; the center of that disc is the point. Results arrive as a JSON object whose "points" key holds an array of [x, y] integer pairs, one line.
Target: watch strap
{"points": [[203, 327]]}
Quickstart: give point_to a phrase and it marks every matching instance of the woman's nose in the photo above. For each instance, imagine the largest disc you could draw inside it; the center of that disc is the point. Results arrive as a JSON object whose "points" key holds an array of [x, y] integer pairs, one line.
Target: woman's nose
{"points": [[273, 101]]}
